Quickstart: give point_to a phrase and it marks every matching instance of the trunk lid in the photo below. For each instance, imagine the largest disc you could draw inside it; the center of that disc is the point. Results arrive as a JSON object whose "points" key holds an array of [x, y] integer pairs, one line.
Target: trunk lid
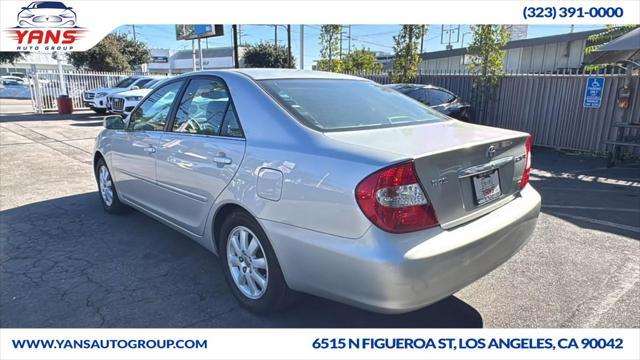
{"points": [[451, 158]]}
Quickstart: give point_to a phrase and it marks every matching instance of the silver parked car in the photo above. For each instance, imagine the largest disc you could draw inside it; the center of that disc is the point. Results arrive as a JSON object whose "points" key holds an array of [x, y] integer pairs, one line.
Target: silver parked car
{"points": [[321, 183]]}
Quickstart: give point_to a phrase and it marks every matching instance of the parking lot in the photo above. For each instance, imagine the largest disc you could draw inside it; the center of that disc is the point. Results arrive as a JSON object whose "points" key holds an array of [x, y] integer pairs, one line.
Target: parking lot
{"points": [[64, 262]]}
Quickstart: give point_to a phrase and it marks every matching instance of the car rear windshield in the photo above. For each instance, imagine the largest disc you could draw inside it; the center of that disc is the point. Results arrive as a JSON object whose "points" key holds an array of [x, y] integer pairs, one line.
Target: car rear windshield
{"points": [[150, 84], [340, 104], [126, 82]]}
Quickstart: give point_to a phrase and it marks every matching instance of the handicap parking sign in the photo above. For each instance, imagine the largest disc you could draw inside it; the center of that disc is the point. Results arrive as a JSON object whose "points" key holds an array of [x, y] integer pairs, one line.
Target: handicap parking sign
{"points": [[593, 92]]}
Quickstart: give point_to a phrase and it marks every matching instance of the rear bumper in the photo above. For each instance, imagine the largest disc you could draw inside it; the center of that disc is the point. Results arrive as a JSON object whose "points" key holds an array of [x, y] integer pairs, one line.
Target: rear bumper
{"points": [[396, 273]]}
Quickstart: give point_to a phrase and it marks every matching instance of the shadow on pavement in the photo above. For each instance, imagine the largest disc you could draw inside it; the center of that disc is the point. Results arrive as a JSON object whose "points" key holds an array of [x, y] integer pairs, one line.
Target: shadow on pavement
{"points": [[583, 191], [66, 263], [78, 116], [88, 124]]}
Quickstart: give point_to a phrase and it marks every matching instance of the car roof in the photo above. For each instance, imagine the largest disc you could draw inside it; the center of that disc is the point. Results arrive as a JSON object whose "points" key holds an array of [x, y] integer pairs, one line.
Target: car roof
{"points": [[264, 74]]}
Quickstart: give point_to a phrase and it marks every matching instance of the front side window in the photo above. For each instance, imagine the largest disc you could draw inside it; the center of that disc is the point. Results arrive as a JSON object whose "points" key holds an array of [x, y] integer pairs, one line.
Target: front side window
{"points": [[336, 105], [152, 113], [202, 108]]}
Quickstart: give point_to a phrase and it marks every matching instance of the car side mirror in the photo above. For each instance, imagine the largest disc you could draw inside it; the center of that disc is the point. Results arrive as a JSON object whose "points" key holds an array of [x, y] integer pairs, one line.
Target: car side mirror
{"points": [[114, 122], [135, 87]]}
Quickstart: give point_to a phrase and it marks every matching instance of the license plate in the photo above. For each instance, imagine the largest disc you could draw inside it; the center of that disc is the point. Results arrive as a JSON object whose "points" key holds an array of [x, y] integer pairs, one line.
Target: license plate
{"points": [[487, 187]]}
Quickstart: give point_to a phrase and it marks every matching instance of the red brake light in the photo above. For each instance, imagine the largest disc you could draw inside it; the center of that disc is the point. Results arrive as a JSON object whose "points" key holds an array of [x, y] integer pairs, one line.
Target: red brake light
{"points": [[393, 200], [527, 167]]}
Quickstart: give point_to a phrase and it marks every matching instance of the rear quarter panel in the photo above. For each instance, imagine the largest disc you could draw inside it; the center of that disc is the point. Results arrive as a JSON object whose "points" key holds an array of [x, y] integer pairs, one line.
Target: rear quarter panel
{"points": [[319, 174]]}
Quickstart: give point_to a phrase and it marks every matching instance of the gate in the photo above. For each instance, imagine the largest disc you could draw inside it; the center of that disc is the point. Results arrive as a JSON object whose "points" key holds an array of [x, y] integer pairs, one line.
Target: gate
{"points": [[48, 85]]}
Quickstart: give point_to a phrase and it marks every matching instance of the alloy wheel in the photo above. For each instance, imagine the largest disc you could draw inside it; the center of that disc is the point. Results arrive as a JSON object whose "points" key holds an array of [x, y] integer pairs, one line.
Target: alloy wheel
{"points": [[247, 262], [106, 185]]}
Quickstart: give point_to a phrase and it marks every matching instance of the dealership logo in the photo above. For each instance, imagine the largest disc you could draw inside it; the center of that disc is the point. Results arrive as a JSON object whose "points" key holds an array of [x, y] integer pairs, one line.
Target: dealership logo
{"points": [[46, 25]]}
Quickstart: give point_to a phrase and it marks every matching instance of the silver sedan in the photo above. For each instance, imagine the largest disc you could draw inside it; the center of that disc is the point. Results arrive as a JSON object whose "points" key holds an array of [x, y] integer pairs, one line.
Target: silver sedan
{"points": [[321, 183]]}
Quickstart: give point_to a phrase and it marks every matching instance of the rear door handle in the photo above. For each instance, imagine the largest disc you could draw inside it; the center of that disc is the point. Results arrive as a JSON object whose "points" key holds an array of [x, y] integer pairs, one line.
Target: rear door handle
{"points": [[150, 149], [222, 160]]}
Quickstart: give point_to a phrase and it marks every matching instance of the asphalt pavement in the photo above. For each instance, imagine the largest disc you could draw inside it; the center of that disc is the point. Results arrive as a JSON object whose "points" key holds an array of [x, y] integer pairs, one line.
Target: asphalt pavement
{"points": [[64, 262]]}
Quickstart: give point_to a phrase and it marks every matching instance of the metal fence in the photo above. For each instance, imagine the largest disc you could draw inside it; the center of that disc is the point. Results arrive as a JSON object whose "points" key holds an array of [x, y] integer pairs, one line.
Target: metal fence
{"points": [[549, 106], [48, 85]]}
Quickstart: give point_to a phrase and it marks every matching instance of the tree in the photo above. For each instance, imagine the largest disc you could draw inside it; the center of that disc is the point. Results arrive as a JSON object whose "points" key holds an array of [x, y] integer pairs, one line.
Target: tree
{"points": [[330, 48], [267, 55], [407, 56], [487, 54], [115, 52], [363, 61], [595, 41], [10, 57]]}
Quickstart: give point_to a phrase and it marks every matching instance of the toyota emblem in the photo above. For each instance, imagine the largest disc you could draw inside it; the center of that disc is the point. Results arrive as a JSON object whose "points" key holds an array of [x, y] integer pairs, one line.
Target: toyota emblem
{"points": [[491, 151]]}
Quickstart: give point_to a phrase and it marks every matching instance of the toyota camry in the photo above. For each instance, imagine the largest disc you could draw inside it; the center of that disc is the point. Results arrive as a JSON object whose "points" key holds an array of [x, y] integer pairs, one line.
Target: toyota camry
{"points": [[321, 183]]}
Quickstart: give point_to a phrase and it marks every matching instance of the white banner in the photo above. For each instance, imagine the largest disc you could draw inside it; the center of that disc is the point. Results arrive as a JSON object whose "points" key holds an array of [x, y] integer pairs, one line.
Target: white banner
{"points": [[319, 344], [81, 24]]}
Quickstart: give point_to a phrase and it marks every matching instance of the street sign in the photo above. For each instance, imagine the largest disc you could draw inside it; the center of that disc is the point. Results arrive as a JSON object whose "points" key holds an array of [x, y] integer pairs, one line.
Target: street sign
{"points": [[593, 92]]}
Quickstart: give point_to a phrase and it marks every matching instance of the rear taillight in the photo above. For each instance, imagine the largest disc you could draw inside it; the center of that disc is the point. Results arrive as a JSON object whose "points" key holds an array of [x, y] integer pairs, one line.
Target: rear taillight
{"points": [[527, 167], [393, 200]]}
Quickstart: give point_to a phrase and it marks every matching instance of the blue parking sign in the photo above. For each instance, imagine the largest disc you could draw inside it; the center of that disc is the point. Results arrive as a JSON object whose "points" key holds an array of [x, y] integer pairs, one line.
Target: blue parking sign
{"points": [[593, 92]]}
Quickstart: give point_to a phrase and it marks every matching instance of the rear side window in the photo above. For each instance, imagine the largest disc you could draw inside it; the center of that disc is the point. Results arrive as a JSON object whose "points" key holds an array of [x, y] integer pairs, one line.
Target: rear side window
{"points": [[231, 126], [202, 108], [437, 97], [335, 105]]}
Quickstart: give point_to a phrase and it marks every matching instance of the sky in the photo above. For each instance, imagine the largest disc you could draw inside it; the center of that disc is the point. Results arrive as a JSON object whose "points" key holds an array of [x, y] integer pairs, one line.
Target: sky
{"points": [[373, 37]]}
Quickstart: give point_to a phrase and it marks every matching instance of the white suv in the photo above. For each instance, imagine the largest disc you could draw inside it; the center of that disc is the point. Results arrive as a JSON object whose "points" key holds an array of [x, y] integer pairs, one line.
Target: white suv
{"points": [[122, 103], [96, 99]]}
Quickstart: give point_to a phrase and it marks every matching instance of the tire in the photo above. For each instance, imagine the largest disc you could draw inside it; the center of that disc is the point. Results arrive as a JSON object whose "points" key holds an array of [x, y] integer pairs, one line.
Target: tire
{"points": [[100, 111], [241, 267], [107, 190]]}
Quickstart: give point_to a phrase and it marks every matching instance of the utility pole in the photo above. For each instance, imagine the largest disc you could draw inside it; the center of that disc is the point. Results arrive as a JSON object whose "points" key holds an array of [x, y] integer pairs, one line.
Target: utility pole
{"points": [[133, 27], [341, 41], [193, 54], [236, 62], [301, 47], [275, 35], [200, 51], [422, 40], [349, 41], [289, 58]]}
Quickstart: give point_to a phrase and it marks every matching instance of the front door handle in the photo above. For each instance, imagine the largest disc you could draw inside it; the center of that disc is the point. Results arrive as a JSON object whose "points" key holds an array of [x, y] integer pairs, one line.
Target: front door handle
{"points": [[222, 160], [150, 149]]}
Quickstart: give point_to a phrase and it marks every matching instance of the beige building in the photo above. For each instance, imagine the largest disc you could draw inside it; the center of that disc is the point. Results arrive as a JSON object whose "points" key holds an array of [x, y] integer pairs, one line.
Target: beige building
{"points": [[541, 54]]}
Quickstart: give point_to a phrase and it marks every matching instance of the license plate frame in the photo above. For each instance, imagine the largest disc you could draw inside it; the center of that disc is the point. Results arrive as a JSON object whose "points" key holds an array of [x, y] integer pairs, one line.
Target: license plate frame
{"points": [[486, 187]]}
